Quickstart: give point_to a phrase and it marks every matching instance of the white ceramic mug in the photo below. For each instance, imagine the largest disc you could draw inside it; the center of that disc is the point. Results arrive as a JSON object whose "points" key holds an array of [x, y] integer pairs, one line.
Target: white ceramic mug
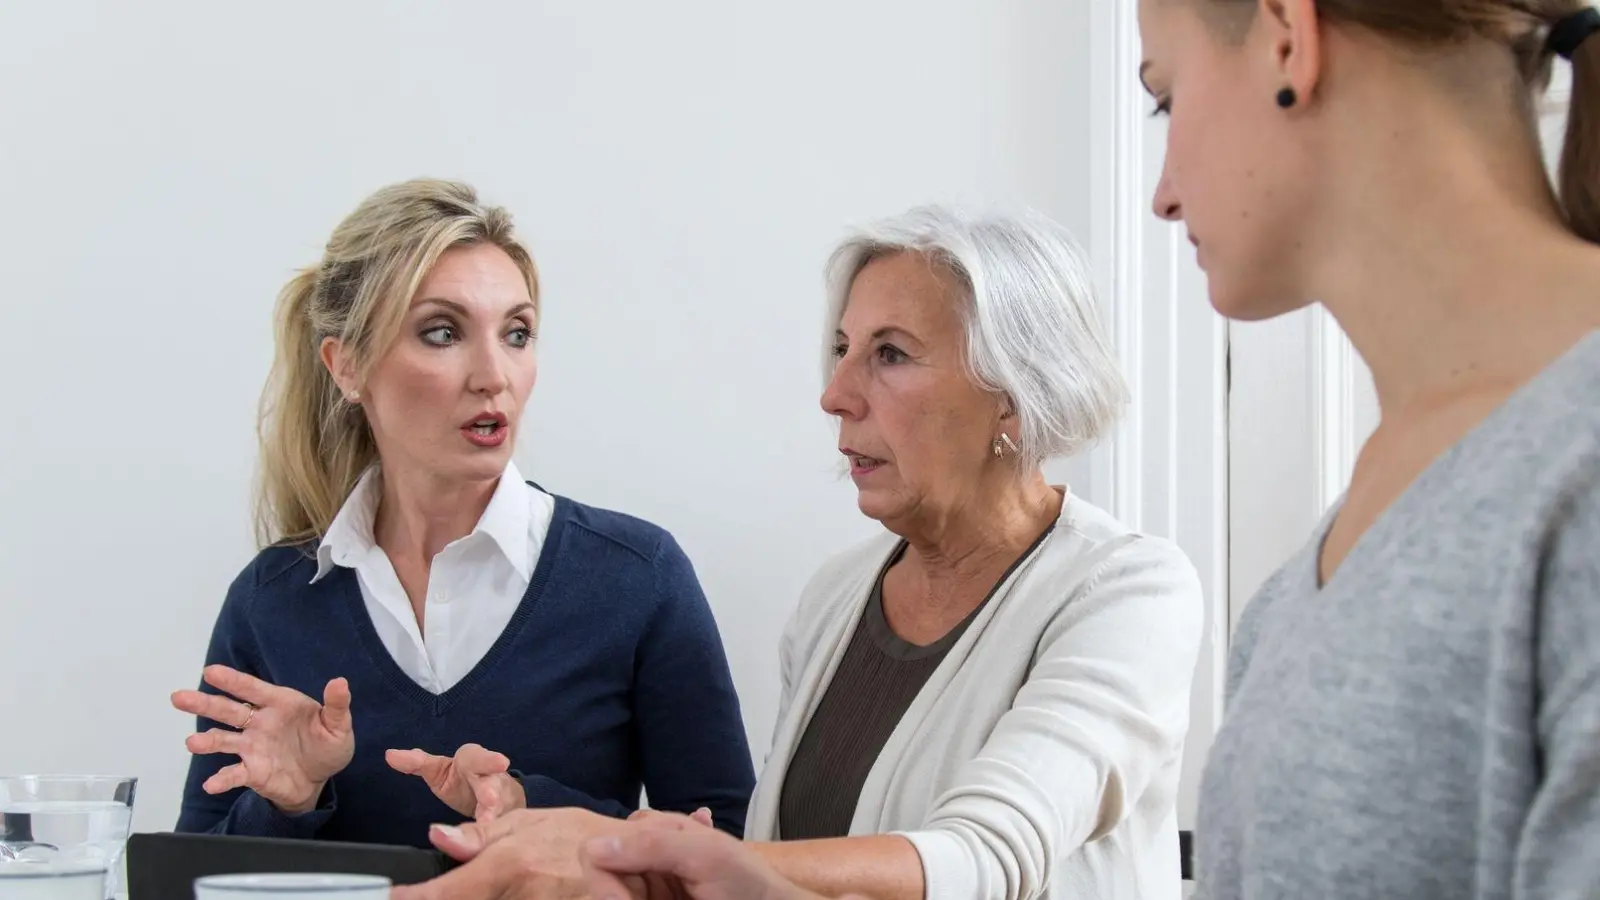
{"points": [[296, 885]]}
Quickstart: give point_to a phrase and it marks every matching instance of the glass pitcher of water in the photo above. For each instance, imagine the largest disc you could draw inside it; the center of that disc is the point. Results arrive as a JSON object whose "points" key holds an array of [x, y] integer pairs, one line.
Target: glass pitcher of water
{"points": [[36, 880], [67, 820]]}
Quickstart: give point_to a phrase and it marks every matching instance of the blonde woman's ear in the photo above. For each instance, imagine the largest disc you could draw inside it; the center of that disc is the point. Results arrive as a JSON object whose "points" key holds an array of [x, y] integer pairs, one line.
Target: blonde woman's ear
{"points": [[333, 359]]}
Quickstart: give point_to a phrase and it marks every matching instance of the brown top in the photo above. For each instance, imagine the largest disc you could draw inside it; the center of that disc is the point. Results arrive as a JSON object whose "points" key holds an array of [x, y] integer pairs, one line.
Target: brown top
{"points": [[878, 677]]}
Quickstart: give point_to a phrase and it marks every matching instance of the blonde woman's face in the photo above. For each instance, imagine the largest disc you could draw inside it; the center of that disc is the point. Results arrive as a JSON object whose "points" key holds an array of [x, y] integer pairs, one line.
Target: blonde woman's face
{"points": [[448, 396]]}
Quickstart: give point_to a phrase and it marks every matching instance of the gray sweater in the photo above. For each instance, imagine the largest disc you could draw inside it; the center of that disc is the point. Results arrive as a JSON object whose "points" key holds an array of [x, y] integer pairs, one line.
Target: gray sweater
{"points": [[1427, 724]]}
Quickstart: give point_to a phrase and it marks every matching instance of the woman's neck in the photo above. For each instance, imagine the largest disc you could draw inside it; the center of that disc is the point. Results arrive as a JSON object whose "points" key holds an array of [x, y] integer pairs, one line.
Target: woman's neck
{"points": [[1447, 310], [419, 515], [1442, 254], [991, 529]]}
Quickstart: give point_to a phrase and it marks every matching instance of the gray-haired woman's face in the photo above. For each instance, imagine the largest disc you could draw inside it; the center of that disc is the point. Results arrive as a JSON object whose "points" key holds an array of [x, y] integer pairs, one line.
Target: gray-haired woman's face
{"points": [[916, 429]]}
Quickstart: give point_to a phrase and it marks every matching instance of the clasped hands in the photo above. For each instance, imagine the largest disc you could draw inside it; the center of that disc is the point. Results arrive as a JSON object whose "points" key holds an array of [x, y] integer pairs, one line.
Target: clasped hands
{"points": [[531, 855]]}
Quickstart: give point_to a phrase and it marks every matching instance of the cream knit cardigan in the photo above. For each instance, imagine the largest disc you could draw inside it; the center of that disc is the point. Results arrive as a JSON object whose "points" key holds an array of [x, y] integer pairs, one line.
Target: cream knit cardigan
{"points": [[1041, 758]]}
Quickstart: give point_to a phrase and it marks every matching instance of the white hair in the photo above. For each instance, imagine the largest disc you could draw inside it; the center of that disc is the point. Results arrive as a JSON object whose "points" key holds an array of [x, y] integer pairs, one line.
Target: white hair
{"points": [[1028, 307]]}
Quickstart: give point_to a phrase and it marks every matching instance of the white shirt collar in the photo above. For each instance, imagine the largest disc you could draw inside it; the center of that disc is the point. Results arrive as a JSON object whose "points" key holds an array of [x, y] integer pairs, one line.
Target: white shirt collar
{"points": [[506, 521]]}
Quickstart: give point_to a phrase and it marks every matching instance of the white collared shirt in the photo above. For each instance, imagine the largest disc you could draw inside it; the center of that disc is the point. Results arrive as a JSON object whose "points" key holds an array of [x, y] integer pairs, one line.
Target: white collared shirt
{"points": [[474, 586]]}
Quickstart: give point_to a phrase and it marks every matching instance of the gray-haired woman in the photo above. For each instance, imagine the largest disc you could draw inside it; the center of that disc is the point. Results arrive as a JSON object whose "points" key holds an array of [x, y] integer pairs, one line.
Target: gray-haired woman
{"points": [[990, 699]]}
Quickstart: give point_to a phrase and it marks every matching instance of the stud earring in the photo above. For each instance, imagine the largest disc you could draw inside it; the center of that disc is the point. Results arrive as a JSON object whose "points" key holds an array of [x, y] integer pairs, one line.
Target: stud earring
{"points": [[353, 396], [1287, 98]]}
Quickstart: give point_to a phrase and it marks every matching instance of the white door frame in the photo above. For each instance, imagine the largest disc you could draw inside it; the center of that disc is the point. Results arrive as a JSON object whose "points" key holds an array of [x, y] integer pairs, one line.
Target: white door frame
{"points": [[1166, 465]]}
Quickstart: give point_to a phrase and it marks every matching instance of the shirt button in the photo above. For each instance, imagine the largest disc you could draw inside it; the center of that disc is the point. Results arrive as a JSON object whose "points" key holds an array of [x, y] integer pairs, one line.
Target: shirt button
{"points": [[441, 597]]}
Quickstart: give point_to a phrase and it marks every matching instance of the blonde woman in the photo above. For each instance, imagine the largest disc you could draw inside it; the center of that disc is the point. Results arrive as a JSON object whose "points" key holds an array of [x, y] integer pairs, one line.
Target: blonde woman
{"points": [[478, 644]]}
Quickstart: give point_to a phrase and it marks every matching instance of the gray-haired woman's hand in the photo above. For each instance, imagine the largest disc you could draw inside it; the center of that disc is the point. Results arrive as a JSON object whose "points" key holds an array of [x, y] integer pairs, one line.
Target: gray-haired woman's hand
{"points": [[536, 854], [662, 859], [288, 744]]}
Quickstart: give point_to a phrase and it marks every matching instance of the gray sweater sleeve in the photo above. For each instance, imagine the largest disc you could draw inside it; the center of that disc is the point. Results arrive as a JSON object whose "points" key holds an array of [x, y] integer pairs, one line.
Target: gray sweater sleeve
{"points": [[1560, 850]]}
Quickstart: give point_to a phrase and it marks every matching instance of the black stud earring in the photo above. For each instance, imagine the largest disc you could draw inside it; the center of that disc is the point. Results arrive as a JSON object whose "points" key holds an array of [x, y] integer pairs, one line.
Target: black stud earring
{"points": [[1286, 98]]}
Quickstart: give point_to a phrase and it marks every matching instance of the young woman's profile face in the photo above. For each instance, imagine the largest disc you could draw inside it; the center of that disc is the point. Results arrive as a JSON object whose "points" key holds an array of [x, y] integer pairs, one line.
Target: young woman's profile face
{"points": [[1236, 165]]}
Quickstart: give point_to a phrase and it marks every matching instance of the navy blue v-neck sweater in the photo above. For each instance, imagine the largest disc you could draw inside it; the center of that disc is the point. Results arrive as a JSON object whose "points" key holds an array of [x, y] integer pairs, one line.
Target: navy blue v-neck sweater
{"points": [[610, 677]]}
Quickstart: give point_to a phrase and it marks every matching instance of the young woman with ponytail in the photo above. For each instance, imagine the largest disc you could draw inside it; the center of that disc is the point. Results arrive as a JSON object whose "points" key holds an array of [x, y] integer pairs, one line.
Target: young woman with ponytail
{"points": [[478, 644], [1414, 698]]}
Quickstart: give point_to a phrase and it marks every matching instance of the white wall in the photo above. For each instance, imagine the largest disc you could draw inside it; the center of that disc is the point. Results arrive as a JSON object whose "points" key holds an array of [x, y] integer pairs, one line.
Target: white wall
{"points": [[679, 170]]}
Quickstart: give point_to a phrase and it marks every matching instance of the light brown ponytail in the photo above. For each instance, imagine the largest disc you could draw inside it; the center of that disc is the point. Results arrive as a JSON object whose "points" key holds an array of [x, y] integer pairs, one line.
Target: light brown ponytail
{"points": [[315, 444], [1579, 179]]}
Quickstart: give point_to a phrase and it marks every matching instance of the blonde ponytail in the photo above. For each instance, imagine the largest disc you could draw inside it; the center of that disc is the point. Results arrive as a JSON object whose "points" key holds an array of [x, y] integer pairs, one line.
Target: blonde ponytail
{"points": [[315, 444]]}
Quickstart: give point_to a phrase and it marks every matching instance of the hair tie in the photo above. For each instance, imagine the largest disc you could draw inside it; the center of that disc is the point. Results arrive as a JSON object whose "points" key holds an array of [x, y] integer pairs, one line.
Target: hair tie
{"points": [[1567, 34]]}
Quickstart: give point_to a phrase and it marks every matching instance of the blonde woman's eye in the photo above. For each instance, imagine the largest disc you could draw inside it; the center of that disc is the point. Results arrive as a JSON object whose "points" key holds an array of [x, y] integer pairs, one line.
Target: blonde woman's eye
{"points": [[440, 335], [520, 337]]}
